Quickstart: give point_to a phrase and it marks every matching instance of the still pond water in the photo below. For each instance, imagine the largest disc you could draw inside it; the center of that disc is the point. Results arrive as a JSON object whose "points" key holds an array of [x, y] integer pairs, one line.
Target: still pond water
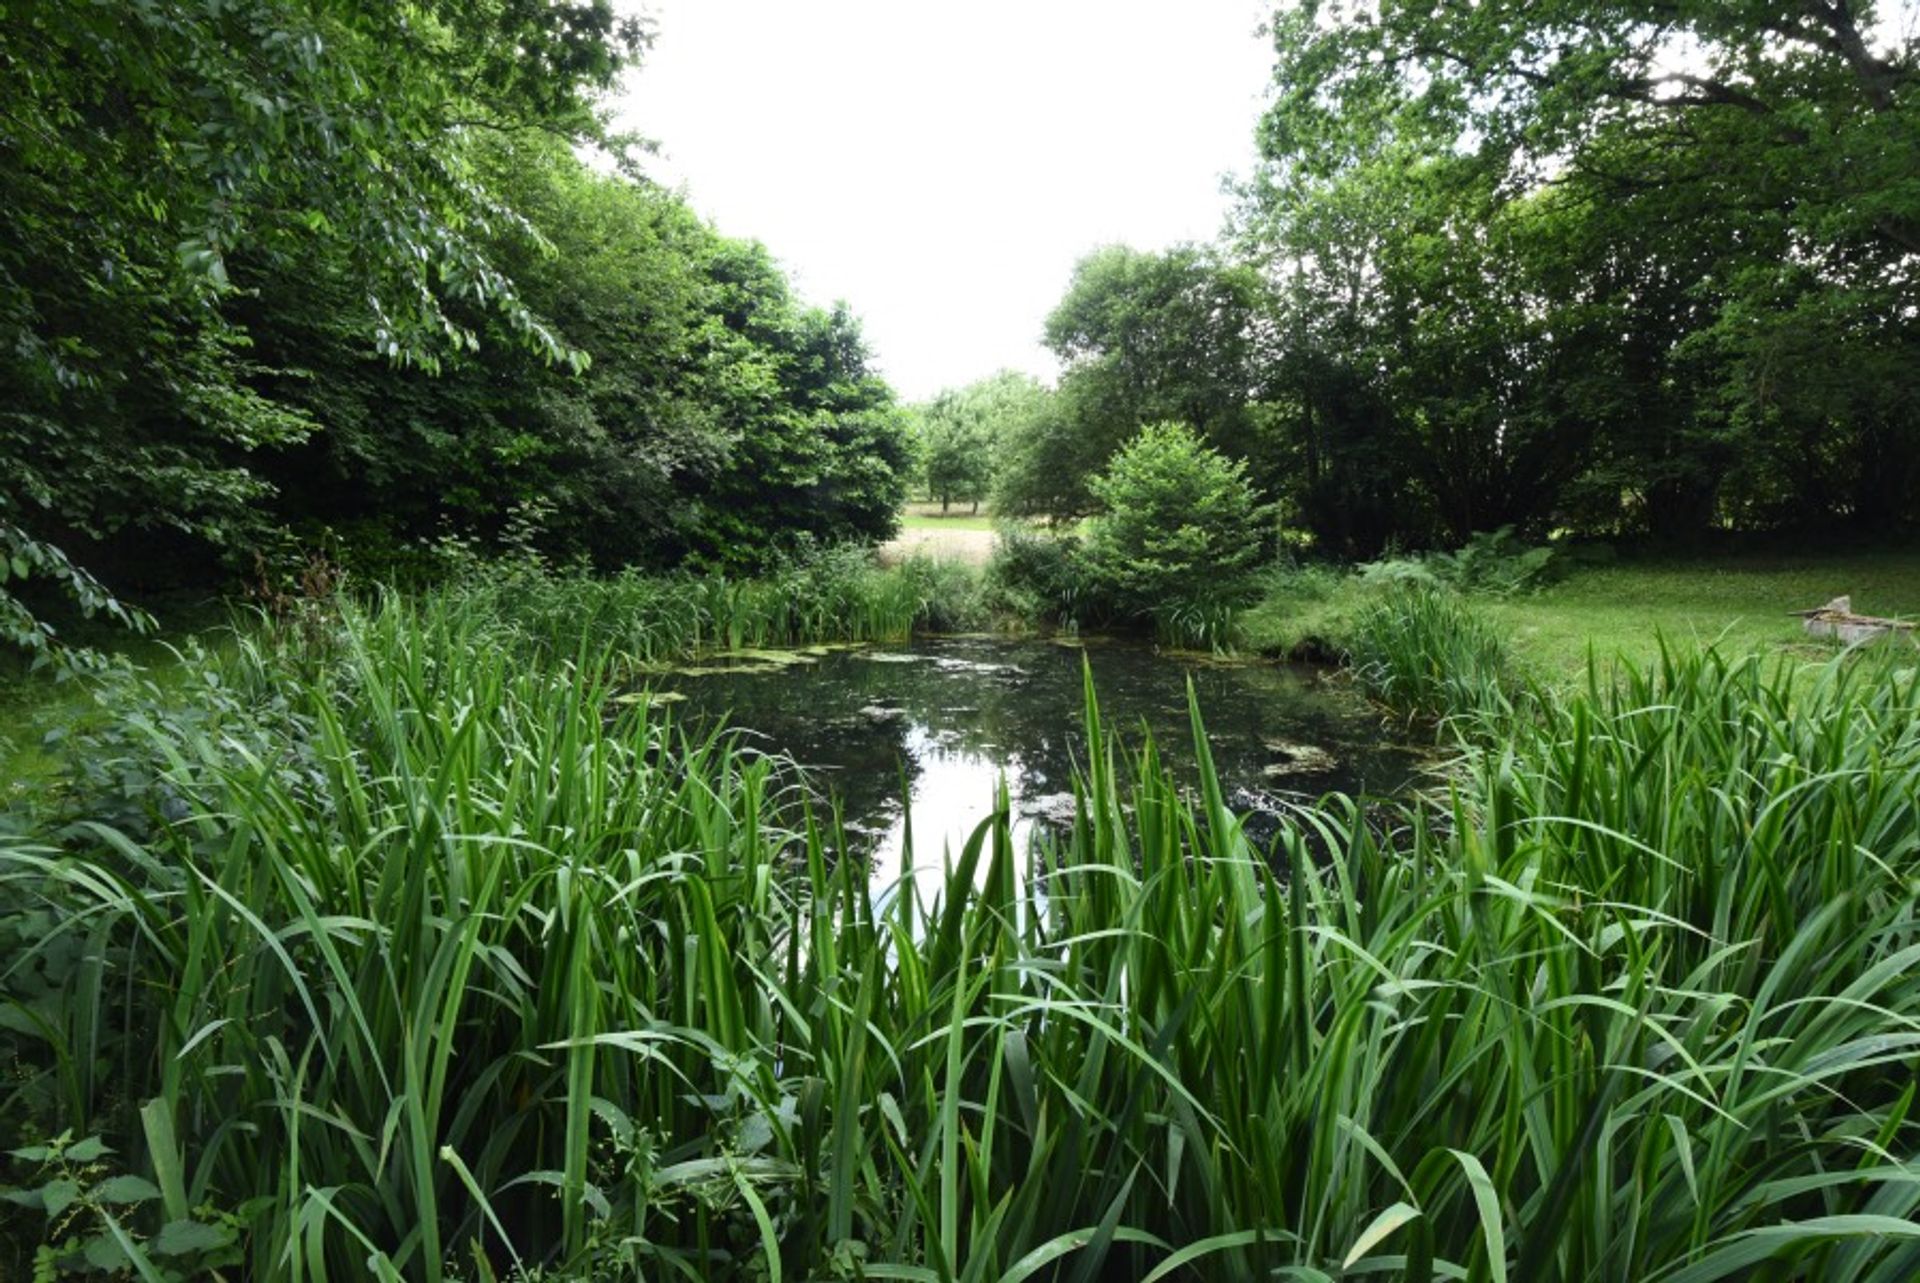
{"points": [[953, 716]]}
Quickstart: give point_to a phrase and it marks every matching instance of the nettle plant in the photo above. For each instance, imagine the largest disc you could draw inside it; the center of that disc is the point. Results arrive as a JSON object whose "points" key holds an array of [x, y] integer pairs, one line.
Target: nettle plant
{"points": [[91, 1208]]}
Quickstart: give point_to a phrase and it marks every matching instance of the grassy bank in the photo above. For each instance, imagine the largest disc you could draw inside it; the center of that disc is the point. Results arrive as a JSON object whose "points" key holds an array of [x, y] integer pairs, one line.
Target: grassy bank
{"points": [[1625, 609], [395, 946]]}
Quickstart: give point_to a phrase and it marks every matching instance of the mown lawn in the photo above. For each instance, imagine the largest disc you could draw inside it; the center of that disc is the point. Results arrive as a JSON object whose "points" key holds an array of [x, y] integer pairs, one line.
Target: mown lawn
{"points": [[959, 519], [1741, 601]]}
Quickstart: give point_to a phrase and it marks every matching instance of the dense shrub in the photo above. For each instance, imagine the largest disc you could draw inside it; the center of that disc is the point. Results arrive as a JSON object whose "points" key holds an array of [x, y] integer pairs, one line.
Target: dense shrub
{"points": [[1497, 561], [1044, 578], [1179, 524]]}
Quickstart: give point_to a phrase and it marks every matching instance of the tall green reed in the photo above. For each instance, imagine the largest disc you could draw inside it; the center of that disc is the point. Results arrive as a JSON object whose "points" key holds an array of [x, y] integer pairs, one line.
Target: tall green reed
{"points": [[447, 965], [652, 619], [1421, 650]]}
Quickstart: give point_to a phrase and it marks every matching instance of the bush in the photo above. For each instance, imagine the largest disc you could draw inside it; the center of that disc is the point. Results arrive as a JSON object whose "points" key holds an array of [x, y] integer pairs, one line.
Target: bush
{"points": [[1044, 578], [1495, 561], [1181, 530]]}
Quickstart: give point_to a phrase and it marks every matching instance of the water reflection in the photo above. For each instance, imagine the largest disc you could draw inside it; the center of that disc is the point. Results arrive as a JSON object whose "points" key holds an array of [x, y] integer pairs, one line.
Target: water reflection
{"points": [[951, 717]]}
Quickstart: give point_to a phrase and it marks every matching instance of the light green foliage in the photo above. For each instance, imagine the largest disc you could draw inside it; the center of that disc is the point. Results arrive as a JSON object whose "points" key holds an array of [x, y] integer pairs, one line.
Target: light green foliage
{"points": [[1624, 607], [611, 1011], [1180, 524], [1423, 652], [833, 596], [1142, 337], [963, 433]]}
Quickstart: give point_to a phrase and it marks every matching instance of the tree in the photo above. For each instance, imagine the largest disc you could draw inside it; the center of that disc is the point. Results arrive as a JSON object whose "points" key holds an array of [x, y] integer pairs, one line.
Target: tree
{"points": [[272, 272], [1142, 337], [147, 149], [964, 432], [1575, 251], [1180, 523]]}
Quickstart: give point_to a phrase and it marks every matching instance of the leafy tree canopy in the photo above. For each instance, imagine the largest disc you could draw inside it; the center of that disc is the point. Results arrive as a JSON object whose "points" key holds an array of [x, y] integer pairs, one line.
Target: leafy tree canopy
{"points": [[1621, 266], [964, 431], [274, 270]]}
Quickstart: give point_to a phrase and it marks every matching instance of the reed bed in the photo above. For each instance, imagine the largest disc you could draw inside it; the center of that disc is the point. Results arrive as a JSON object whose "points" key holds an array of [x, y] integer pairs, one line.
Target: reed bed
{"points": [[645, 619], [412, 959], [1422, 651]]}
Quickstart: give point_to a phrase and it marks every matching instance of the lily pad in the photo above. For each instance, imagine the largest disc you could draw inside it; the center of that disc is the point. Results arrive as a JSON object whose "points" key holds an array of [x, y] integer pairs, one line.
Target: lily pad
{"points": [[730, 670], [778, 658], [650, 699]]}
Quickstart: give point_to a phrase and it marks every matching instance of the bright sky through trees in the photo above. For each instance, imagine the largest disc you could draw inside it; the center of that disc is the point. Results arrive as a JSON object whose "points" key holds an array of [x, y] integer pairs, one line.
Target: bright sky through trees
{"points": [[941, 167]]}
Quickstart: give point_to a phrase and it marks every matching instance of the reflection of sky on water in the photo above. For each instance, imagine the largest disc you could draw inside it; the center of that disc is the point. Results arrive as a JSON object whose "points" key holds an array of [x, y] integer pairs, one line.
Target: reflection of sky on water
{"points": [[950, 716], [952, 793]]}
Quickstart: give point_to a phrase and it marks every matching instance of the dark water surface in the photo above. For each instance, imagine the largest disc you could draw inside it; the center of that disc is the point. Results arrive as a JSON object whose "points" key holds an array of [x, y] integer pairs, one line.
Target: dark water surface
{"points": [[953, 715]]}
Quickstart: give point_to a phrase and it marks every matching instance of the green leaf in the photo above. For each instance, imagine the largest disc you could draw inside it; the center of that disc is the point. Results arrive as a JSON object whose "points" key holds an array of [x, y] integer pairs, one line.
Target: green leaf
{"points": [[103, 1253], [88, 1150], [125, 1189], [1488, 1204], [1381, 1226], [177, 1238], [57, 1196]]}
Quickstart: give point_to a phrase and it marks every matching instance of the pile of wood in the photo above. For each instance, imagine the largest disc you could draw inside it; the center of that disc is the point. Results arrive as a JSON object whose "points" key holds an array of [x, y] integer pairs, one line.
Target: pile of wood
{"points": [[1836, 619]]}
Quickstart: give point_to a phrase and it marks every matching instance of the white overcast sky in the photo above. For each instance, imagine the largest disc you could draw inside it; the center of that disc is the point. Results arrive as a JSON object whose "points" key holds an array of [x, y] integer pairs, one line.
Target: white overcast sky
{"points": [[942, 166]]}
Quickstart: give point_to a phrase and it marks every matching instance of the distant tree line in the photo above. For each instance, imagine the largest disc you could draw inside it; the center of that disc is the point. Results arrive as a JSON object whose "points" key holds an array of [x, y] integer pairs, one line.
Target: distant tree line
{"points": [[1635, 269], [277, 273]]}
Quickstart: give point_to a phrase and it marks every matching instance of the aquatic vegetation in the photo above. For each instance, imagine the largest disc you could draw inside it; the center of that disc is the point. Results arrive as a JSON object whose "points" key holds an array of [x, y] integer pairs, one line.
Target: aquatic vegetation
{"points": [[410, 959], [641, 619], [1423, 651]]}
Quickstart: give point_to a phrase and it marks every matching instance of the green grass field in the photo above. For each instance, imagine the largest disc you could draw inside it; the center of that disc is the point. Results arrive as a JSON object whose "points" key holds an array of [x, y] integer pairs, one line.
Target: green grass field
{"points": [[1743, 602], [927, 516]]}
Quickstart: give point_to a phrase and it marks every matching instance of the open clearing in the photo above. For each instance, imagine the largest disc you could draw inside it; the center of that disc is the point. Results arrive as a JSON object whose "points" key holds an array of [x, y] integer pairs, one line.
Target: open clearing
{"points": [[970, 544]]}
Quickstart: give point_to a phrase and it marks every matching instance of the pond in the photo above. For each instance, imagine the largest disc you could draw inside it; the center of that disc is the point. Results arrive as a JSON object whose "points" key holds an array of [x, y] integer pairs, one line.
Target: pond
{"points": [[950, 717]]}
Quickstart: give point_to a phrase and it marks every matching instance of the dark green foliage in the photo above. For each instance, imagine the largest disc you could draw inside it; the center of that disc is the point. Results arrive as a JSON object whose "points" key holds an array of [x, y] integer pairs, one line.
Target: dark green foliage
{"points": [[719, 420], [1179, 533], [28, 564], [1498, 562], [277, 274], [1631, 267], [1044, 577]]}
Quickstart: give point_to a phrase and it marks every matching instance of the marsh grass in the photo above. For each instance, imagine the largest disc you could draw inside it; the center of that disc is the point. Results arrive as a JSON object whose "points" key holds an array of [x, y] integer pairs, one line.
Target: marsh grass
{"points": [[656, 618], [1423, 651], [424, 960]]}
